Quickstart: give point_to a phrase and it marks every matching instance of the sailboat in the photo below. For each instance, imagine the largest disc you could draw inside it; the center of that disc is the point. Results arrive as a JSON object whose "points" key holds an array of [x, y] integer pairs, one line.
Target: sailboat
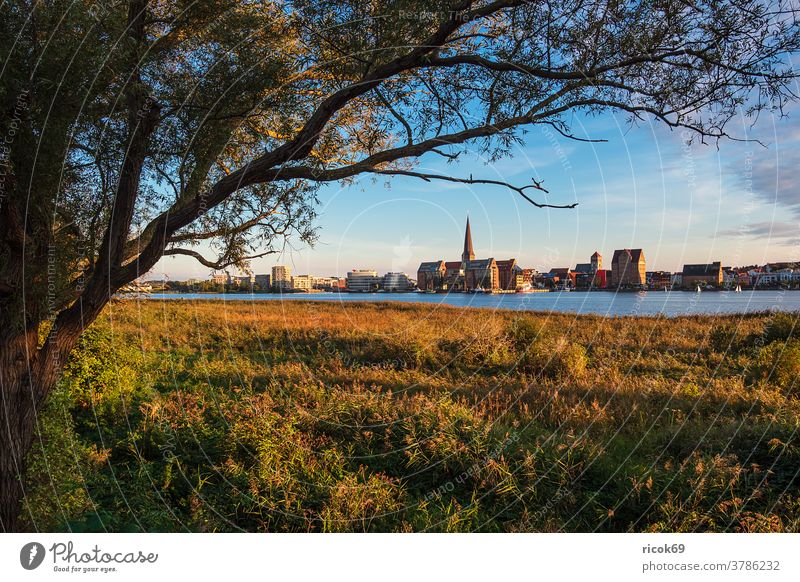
{"points": [[698, 288], [738, 289]]}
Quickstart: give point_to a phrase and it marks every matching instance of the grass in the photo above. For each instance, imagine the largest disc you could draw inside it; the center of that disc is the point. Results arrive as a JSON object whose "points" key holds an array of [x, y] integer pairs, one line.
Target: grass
{"points": [[304, 416]]}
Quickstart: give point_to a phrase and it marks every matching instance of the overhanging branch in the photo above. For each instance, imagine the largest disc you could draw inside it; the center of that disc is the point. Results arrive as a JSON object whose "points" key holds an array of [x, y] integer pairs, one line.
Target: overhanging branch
{"points": [[218, 264]]}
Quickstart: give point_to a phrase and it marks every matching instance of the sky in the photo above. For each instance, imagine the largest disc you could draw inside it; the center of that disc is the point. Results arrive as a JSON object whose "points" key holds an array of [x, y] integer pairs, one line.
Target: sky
{"points": [[734, 202]]}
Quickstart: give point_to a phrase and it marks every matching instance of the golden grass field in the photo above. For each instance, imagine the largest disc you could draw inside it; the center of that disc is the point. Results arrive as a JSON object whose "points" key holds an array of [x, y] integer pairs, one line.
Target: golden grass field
{"points": [[303, 416]]}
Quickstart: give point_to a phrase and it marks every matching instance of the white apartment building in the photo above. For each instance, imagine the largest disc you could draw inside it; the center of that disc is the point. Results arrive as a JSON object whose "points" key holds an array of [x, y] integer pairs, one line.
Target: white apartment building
{"points": [[363, 281], [302, 282], [282, 277]]}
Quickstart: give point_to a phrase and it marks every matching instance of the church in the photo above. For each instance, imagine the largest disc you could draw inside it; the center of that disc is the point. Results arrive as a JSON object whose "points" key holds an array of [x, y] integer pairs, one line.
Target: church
{"points": [[469, 274]]}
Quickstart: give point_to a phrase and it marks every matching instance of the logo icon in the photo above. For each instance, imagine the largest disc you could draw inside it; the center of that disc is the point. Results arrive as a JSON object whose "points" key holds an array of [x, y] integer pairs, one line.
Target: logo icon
{"points": [[31, 555]]}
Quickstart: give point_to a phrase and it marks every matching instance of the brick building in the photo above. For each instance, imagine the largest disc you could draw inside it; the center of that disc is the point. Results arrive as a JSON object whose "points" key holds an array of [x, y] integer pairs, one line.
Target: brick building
{"points": [[702, 274], [628, 268]]}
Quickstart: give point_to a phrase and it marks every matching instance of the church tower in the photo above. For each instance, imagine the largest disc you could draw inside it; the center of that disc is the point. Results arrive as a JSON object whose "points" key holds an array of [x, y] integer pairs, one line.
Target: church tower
{"points": [[597, 262], [468, 254]]}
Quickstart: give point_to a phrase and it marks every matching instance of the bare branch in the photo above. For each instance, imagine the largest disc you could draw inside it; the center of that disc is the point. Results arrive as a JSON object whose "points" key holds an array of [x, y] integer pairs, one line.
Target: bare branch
{"points": [[219, 264]]}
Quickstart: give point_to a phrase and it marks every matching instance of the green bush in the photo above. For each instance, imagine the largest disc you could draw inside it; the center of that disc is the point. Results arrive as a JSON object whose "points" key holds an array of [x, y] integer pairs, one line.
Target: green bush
{"points": [[59, 466], [102, 374]]}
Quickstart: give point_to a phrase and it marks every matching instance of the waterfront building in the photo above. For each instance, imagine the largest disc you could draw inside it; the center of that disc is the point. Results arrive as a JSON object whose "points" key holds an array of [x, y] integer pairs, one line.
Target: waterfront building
{"points": [[596, 261], [702, 274], [582, 275], [397, 282], [453, 276], [282, 277], [430, 275], [329, 283], [659, 280], [507, 274], [469, 274], [628, 268], [243, 280], [263, 282], [302, 282], [481, 274], [363, 281], [220, 278], [525, 277], [468, 254], [560, 277]]}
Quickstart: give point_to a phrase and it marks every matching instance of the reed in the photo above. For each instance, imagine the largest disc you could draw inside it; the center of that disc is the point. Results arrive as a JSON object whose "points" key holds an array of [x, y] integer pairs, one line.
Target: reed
{"points": [[312, 416]]}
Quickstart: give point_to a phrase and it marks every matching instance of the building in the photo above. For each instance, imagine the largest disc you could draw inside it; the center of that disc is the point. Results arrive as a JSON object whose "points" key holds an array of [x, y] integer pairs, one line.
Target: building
{"points": [[220, 278], [243, 281], [507, 274], [397, 282], [628, 268], [588, 275], [469, 274], [263, 282], [525, 277], [281, 277], [659, 280], [702, 274], [302, 282], [453, 276], [602, 278], [596, 261], [363, 281], [560, 276], [469, 253], [329, 283], [430, 275], [582, 276], [481, 274]]}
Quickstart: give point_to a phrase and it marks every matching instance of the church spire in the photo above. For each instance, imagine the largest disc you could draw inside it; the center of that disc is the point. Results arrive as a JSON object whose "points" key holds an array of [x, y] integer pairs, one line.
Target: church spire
{"points": [[468, 254]]}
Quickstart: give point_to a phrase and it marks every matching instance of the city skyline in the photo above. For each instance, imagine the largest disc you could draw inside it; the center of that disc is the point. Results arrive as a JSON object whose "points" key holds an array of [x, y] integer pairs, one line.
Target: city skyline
{"points": [[643, 188]]}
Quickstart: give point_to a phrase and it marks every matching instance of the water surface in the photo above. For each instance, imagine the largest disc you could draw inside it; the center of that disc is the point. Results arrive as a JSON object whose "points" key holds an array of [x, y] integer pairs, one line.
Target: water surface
{"points": [[672, 304]]}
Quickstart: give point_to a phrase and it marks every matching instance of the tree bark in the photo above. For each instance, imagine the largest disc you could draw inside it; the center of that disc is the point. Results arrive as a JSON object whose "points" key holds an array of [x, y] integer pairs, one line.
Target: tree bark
{"points": [[19, 399]]}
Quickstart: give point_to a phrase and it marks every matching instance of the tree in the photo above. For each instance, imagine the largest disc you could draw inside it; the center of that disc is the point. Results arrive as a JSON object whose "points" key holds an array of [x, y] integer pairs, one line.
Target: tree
{"points": [[134, 130]]}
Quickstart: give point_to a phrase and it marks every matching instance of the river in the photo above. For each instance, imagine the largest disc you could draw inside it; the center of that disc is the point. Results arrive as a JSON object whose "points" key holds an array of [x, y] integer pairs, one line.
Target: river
{"points": [[672, 304]]}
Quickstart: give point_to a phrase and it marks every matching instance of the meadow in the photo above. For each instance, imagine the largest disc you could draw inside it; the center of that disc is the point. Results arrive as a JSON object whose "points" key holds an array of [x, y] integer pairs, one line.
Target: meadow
{"points": [[375, 417]]}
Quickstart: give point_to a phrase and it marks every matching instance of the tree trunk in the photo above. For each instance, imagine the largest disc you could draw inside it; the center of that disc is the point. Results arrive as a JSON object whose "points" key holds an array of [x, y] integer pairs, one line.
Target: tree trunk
{"points": [[27, 375], [19, 398], [18, 419]]}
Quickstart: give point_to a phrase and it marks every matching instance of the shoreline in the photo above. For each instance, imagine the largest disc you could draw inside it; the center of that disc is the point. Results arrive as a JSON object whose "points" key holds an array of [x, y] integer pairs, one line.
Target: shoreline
{"points": [[609, 306]]}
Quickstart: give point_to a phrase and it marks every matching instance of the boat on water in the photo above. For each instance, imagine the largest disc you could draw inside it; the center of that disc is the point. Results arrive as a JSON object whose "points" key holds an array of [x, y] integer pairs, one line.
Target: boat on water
{"points": [[738, 289]]}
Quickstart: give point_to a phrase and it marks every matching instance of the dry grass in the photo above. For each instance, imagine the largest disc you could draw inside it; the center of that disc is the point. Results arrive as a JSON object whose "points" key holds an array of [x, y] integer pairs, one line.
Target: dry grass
{"points": [[307, 416]]}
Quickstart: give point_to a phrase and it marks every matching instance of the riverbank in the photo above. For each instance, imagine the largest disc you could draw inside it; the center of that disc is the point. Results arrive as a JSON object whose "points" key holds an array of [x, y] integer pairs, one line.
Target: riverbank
{"points": [[312, 416], [671, 304]]}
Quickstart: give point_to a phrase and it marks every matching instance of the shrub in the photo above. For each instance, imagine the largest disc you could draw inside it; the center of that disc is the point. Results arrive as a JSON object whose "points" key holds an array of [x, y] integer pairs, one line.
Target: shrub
{"points": [[556, 358], [779, 364], [101, 373], [59, 466], [781, 327]]}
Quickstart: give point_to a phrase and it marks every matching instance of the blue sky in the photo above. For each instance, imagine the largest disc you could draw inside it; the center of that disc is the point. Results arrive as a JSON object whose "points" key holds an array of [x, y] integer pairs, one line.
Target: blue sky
{"points": [[643, 188]]}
